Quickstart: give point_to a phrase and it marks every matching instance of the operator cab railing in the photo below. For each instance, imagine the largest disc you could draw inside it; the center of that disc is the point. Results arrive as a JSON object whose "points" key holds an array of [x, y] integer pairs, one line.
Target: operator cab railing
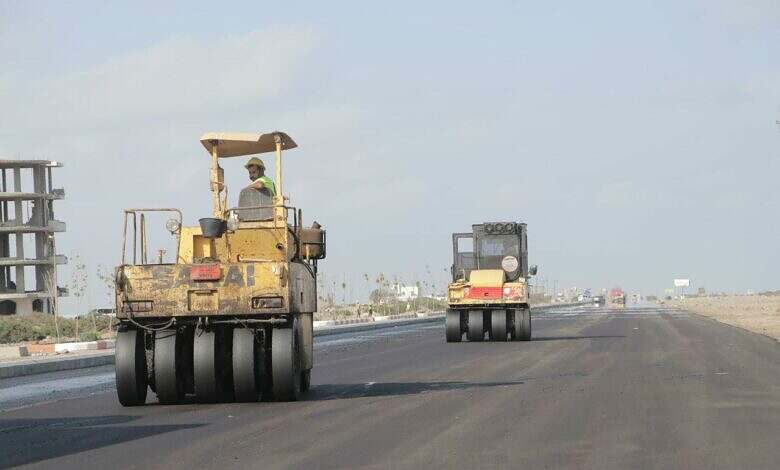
{"points": [[140, 240]]}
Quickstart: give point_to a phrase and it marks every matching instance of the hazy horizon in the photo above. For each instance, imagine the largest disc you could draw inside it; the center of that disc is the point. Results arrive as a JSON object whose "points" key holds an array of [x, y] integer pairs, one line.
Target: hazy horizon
{"points": [[637, 141]]}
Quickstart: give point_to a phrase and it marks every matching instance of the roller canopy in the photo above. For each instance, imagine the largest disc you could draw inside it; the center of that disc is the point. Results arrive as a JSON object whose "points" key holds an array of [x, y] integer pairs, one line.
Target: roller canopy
{"points": [[235, 144]]}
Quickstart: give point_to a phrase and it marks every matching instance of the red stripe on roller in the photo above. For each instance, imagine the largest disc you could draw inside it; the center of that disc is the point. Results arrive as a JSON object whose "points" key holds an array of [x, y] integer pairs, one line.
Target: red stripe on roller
{"points": [[485, 293]]}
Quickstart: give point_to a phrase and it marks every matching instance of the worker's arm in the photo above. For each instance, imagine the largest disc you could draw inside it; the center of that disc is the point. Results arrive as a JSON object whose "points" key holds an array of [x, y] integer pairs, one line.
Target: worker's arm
{"points": [[264, 184]]}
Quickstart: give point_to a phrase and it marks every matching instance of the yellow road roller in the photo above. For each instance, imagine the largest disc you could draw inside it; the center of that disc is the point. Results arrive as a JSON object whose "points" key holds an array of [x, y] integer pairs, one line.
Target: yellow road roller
{"points": [[489, 292], [229, 317]]}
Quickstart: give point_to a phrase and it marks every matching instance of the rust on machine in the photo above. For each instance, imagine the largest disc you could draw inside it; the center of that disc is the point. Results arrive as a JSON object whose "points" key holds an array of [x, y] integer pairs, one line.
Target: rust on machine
{"points": [[489, 292], [243, 278]]}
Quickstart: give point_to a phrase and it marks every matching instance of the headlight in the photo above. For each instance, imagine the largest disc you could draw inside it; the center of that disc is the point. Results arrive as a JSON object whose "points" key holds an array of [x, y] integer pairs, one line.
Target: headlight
{"points": [[232, 224], [513, 292], [173, 225]]}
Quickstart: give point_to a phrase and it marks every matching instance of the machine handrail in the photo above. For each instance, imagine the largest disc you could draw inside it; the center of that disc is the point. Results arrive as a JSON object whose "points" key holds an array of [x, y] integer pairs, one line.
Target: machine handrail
{"points": [[134, 212]]}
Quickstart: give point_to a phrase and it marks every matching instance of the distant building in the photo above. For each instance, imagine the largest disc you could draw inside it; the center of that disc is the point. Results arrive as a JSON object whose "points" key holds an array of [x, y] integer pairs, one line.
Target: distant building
{"points": [[28, 258], [406, 293]]}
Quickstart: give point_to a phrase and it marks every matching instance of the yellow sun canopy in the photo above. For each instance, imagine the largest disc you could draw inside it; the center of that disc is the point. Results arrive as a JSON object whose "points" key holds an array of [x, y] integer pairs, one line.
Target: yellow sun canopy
{"points": [[237, 144]]}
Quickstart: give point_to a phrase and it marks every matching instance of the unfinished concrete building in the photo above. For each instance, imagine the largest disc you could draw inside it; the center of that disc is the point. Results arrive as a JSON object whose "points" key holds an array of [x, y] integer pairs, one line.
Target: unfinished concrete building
{"points": [[28, 256]]}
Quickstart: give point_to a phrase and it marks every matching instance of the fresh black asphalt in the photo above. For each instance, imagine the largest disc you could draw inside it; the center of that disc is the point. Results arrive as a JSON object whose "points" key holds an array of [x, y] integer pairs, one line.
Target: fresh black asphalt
{"points": [[638, 388]]}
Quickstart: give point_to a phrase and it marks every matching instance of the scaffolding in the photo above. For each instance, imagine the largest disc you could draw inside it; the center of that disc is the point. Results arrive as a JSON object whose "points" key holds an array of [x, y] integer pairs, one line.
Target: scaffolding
{"points": [[27, 220]]}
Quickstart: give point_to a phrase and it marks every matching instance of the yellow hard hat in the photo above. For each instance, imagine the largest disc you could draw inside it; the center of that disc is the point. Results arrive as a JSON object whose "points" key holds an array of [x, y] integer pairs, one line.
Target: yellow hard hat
{"points": [[255, 161]]}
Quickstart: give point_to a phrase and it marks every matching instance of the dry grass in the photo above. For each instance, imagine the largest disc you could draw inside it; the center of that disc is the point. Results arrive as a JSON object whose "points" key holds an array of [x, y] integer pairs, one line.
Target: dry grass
{"points": [[757, 313]]}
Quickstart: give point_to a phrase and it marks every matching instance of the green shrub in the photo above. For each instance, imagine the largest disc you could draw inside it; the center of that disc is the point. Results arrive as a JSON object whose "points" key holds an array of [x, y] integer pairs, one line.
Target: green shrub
{"points": [[89, 336], [18, 328], [13, 330]]}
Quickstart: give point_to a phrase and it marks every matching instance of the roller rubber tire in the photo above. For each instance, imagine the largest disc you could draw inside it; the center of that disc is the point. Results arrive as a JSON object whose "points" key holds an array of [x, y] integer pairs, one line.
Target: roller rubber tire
{"points": [[168, 379], [131, 380], [305, 380], [452, 326], [522, 325], [247, 365], [205, 361], [285, 363], [476, 330], [498, 330]]}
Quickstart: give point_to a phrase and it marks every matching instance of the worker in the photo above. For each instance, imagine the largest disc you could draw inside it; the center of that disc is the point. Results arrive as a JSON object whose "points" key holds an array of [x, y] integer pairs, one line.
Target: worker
{"points": [[260, 182]]}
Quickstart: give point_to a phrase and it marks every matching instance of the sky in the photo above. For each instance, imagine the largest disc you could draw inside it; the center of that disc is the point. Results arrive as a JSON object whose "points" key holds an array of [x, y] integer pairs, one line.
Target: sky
{"points": [[638, 140]]}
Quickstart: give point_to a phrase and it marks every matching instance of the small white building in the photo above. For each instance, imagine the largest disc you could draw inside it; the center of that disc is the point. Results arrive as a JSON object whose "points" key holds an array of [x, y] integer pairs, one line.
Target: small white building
{"points": [[406, 293]]}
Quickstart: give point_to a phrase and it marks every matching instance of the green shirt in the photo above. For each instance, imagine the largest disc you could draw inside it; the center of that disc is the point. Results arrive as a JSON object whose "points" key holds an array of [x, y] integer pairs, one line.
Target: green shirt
{"points": [[268, 183]]}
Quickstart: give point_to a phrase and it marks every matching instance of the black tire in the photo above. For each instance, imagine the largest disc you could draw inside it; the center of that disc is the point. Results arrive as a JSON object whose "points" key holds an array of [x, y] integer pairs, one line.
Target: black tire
{"points": [[130, 369], [168, 377], [305, 380], [285, 363], [476, 330], [498, 323], [206, 362], [247, 365], [454, 333], [522, 327]]}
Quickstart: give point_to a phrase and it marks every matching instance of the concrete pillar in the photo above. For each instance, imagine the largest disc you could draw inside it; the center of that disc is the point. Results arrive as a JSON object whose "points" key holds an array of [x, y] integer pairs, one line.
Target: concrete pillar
{"points": [[18, 235], [40, 218]]}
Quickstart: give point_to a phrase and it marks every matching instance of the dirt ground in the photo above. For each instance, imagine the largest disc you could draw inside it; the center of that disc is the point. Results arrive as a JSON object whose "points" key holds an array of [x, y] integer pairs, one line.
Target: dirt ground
{"points": [[757, 313]]}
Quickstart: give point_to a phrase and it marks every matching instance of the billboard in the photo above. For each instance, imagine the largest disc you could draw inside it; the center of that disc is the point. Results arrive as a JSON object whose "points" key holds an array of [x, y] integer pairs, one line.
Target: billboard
{"points": [[682, 283]]}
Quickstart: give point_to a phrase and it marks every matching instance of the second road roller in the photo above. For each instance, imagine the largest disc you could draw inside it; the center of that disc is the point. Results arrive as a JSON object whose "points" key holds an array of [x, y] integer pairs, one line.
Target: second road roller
{"points": [[489, 293]]}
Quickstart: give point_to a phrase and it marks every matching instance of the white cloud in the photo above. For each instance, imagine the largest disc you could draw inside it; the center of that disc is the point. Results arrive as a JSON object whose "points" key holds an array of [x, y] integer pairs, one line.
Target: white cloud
{"points": [[620, 195], [175, 77], [744, 14], [127, 129]]}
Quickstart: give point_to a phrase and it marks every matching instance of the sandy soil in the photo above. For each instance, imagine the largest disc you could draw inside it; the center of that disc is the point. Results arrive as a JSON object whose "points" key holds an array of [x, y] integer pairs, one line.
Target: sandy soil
{"points": [[757, 313]]}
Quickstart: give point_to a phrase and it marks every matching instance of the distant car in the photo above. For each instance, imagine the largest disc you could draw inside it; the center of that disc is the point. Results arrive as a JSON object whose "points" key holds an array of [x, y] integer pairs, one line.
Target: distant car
{"points": [[599, 300]]}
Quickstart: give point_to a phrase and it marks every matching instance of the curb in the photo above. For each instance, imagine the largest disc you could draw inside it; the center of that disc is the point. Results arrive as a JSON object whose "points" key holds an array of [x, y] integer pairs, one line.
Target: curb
{"points": [[376, 325], [380, 318], [85, 346], [42, 366], [13, 352], [34, 367], [559, 305]]}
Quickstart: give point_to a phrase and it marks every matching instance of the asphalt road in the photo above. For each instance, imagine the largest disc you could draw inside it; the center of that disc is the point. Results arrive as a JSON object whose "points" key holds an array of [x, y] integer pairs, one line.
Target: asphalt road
{"points": [[638, 388]]}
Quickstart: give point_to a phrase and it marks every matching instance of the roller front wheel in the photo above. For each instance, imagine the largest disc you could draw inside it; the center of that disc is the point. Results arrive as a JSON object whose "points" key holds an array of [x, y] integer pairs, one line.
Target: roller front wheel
{"points": [[476, 330], [247, 365], [522, 327], [209, 364], [285, 363], [168, 379], [452, 326], [131, 379], [498, 330]]}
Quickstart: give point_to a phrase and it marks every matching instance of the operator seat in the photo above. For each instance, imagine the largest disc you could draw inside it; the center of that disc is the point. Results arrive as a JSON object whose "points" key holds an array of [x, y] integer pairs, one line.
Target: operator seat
{"points": [[251, 197]]}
